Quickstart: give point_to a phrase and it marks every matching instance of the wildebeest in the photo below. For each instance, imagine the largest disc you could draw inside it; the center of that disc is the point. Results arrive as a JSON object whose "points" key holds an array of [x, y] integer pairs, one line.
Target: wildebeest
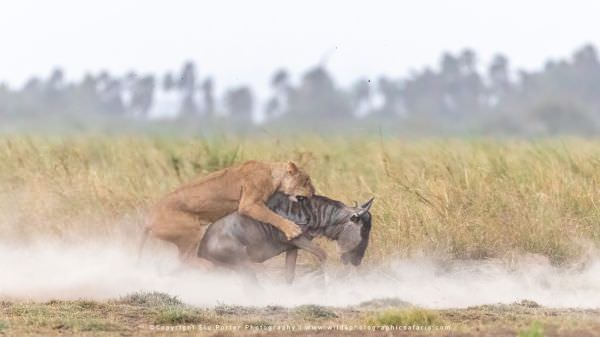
{"points": [[237, 241]]}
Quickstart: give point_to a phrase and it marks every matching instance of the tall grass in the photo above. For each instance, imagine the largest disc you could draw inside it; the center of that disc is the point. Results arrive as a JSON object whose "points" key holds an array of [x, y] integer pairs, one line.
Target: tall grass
{"points": [[462, 198]]}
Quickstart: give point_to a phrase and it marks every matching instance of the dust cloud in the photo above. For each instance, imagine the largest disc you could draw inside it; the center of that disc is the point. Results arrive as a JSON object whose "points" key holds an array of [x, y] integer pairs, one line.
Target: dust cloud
{"points": [[51, 270]]}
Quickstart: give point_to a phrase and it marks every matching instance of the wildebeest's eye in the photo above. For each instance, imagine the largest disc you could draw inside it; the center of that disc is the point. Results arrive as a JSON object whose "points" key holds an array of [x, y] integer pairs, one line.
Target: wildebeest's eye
{"points": [[354, 218]]}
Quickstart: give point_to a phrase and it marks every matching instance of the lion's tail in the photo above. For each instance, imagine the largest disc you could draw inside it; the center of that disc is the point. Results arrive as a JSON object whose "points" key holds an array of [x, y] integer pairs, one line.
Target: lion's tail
{"points": [[143, 242]]}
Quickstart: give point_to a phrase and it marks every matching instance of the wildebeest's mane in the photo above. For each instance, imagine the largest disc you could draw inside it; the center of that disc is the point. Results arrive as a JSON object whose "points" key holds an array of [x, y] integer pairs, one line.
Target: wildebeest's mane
{"points": [[311, 214]]}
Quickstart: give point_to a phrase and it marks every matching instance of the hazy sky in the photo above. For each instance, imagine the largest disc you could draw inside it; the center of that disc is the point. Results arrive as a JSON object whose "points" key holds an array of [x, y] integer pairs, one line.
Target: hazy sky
{"points": [[242, 42]]}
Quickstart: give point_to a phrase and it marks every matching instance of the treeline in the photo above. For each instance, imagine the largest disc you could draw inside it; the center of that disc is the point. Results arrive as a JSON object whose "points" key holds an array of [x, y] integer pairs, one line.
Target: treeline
{"points": [[458, 95]]}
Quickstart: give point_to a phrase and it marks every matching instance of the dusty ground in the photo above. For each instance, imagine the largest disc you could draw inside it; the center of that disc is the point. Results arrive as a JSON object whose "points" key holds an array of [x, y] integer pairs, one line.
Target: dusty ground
{"points": [[149, 314]]}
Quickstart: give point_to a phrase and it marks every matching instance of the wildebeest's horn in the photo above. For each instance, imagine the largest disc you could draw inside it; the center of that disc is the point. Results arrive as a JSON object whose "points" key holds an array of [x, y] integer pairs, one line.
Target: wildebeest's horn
{"points": [[367, 205]]}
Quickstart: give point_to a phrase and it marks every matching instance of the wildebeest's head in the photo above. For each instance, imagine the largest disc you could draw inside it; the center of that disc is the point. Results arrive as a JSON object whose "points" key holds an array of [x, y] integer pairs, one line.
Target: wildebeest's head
{"points": [[353, 238]]}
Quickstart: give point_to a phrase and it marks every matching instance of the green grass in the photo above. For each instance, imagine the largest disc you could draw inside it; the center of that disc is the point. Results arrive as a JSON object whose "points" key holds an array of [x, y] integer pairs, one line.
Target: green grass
{"points": [[535, 330], [404, 317], [3, 326], [178, 315]]}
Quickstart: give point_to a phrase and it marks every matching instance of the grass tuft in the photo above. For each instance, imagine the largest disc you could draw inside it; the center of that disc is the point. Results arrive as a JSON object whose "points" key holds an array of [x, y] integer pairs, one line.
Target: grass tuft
{"points": [[535, 330], [528, 304], [3, 326], [98, 325], [404, 317], [86, 324], [150, 299], [225, 309], [257, 324], [178, 315], [312, 311]]}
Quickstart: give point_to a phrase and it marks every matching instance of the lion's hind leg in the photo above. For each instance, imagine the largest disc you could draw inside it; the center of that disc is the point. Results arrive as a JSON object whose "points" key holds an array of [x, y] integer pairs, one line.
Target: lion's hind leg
{"points": [[188, 248], [185, 231]]}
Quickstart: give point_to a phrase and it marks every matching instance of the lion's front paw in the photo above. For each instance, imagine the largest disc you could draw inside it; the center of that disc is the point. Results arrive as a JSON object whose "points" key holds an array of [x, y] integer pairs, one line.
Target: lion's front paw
{"points": [[292, 231]]}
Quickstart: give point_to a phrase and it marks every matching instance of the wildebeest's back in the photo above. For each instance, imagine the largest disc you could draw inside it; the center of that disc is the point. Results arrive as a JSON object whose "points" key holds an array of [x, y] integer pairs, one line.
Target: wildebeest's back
{"points": [[236, 236]]}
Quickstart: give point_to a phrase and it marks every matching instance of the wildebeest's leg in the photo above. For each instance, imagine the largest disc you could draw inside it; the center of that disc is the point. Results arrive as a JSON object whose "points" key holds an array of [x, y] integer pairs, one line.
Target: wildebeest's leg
{"points": [[290, 265], [310, 247], [225, 251], [247, 271]]}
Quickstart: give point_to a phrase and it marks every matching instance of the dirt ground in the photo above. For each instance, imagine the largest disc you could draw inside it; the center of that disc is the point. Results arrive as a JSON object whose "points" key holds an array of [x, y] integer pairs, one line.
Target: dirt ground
{"points": [[154, 314]]}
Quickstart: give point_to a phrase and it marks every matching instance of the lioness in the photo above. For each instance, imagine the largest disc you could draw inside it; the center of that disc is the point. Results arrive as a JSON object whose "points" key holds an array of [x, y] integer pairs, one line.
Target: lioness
{"points": [[182, 216]]}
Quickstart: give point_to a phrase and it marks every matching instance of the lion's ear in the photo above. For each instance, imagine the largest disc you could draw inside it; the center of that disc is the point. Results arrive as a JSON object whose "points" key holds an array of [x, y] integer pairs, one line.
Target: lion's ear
{"points": [[292, 168]]}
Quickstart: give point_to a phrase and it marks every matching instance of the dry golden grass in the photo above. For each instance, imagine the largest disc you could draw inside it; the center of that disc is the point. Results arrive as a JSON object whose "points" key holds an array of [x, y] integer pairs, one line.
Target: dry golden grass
{"points": [[457, 198]]}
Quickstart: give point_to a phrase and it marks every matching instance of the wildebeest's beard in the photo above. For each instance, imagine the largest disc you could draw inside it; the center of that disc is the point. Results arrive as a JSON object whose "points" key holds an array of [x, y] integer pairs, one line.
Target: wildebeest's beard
{"points": [[356, 255]]}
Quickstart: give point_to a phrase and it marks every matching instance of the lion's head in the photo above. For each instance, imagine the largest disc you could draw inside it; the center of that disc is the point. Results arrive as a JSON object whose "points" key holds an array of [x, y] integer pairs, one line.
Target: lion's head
{"points": [[296, 183]]}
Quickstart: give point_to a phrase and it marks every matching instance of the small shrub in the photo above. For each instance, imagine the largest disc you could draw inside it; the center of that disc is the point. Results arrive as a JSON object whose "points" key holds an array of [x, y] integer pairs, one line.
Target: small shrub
{"points": [[150, 299], [311, 311], [273, 309], [535, 330], [528, 304], [3, 326], [399, 317]]}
